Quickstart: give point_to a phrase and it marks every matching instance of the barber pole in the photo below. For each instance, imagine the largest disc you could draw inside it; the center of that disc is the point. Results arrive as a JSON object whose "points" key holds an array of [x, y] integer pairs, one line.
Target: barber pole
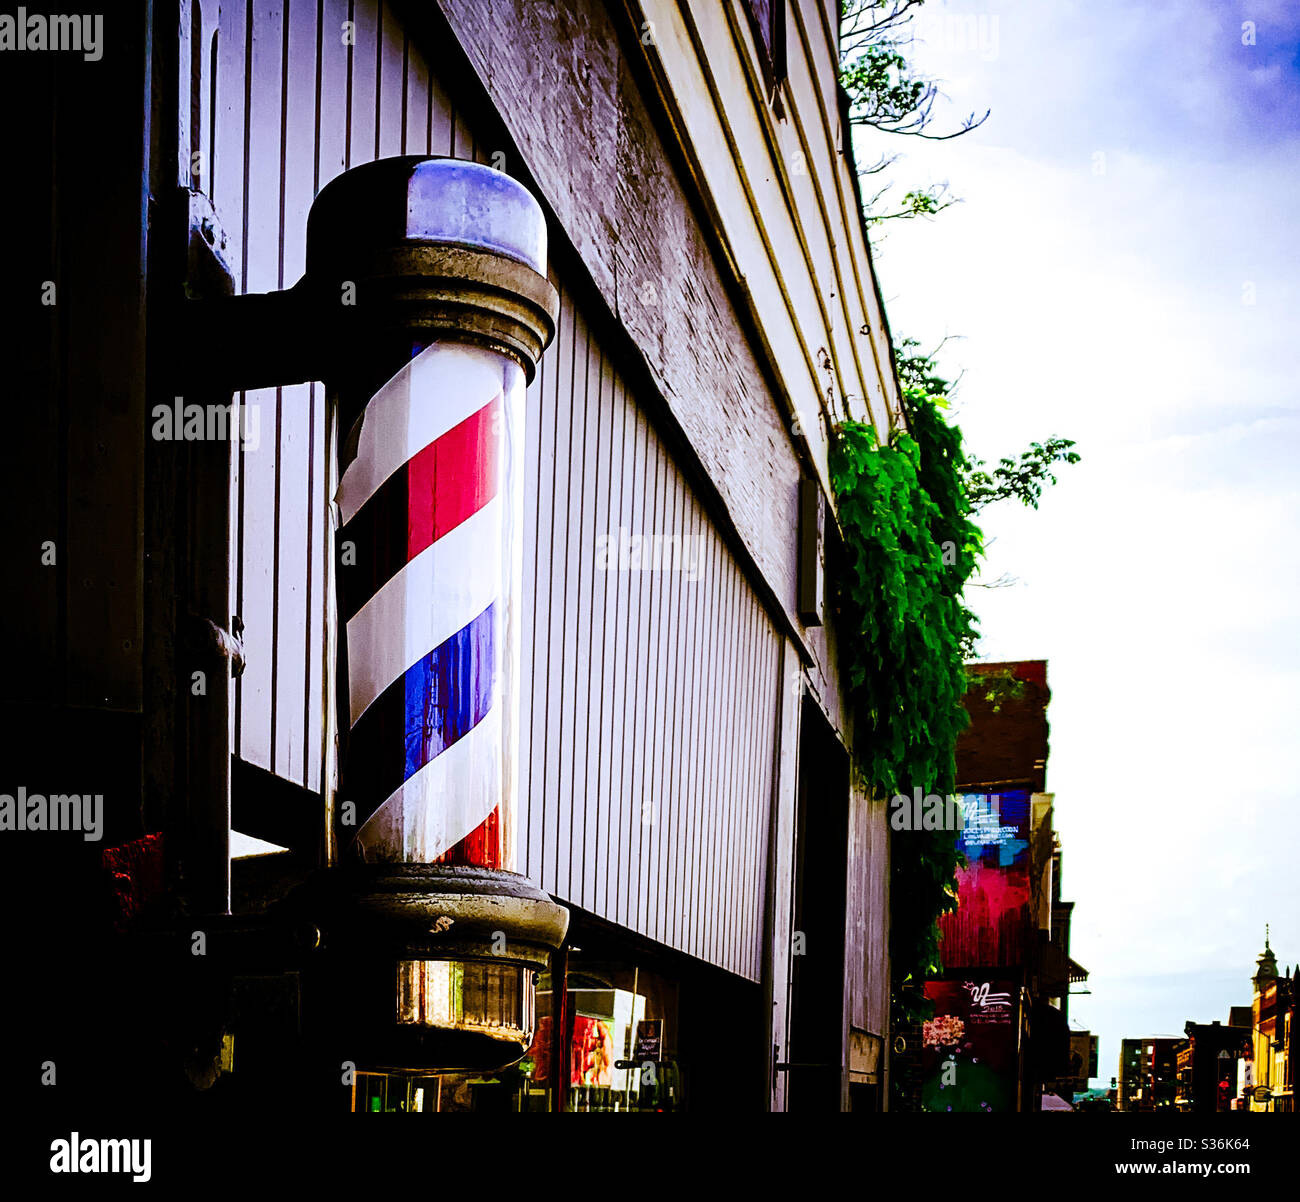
{"points": [[429, 592], [445, 311]]}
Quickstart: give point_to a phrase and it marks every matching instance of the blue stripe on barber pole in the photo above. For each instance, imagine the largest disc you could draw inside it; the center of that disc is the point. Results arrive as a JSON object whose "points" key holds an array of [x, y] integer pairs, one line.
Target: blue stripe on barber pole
{"points": [[436, 702], [442, 804]]}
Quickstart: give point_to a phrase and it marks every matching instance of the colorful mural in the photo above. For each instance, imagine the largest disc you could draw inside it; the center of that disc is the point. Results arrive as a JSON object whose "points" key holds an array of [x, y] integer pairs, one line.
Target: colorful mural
{"points": [[992, 922]]}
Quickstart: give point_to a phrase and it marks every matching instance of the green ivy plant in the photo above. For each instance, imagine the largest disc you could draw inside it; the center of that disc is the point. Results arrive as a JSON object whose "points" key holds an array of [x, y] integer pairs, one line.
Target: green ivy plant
{"points": [[911, 547], [909, 557], [997, 688], [906, 511]]}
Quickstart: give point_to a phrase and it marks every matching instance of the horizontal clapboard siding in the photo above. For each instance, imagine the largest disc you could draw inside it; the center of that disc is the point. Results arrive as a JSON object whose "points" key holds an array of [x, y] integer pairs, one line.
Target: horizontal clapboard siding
{"points": [[648, 717]]}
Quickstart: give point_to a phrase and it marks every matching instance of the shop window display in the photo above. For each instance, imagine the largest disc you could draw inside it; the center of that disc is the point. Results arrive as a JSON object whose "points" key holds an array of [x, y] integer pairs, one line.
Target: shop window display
{"points": [[620, 1054]]}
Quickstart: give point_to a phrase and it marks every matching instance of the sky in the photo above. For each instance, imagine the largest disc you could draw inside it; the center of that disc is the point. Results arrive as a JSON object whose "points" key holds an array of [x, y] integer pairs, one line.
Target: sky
{"points": [[1122, 270]]}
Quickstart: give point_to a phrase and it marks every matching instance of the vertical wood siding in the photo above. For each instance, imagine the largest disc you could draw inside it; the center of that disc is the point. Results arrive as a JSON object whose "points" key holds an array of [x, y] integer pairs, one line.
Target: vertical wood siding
{"points": [[647, 740], [866, 954], [294, 104], [647, 755]]}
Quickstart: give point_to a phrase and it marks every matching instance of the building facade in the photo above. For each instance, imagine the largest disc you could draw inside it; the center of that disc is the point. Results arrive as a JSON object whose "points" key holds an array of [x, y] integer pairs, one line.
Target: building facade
{"points": [[1273, 1013], [1149, 1073], [1000, 1037], [684, 788], [1207, 1066]]}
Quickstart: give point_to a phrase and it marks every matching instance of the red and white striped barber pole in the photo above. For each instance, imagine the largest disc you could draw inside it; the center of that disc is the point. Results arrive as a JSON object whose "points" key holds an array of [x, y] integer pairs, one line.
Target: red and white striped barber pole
{"points": [[430, 501], [430, 508], [430, 940]]}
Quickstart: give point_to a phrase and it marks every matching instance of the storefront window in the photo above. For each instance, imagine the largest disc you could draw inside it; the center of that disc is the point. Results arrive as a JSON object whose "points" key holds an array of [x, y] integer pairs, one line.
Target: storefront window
{"points": [[619, 1054], [623, 1019], [395, 1093]]}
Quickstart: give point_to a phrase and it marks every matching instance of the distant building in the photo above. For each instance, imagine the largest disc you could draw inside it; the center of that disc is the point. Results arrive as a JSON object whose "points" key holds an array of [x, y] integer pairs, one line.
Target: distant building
{"points": [[1000, 1034], [1130, 1072], [1247, 1064], [1148, 1073], [1083, 1064], [1207, 1065], [1273, 1023]]}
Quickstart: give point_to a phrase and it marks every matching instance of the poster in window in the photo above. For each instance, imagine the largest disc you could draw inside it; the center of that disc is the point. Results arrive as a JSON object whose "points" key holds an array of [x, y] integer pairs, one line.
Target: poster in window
{"points": [[970, 1054]]}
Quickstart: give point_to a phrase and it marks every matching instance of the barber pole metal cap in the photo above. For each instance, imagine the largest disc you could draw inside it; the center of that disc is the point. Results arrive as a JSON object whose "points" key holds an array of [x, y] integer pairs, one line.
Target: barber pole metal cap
{"points": [[443, 247]]}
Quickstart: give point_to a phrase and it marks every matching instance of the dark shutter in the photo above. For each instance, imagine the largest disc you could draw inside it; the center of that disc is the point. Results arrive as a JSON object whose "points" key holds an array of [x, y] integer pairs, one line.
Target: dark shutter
{"points": [[769, 23]]}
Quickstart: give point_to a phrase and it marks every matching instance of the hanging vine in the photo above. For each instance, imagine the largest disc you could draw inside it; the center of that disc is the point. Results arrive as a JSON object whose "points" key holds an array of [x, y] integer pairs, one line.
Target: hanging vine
{"points": [[911, 547]]}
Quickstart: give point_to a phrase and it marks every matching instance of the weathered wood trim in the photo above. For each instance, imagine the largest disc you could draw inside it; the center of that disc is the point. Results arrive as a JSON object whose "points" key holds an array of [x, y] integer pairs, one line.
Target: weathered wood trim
{"points": [[739, 30], [866, 937], [870, 299], [830, 38], [873, 387], [756, 96], [714, 227], [883, 377], [787, 393]]}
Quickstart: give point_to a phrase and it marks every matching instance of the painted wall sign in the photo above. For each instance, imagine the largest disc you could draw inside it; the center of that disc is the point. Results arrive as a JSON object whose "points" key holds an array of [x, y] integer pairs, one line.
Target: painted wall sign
{"points": [[991, 925]]}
